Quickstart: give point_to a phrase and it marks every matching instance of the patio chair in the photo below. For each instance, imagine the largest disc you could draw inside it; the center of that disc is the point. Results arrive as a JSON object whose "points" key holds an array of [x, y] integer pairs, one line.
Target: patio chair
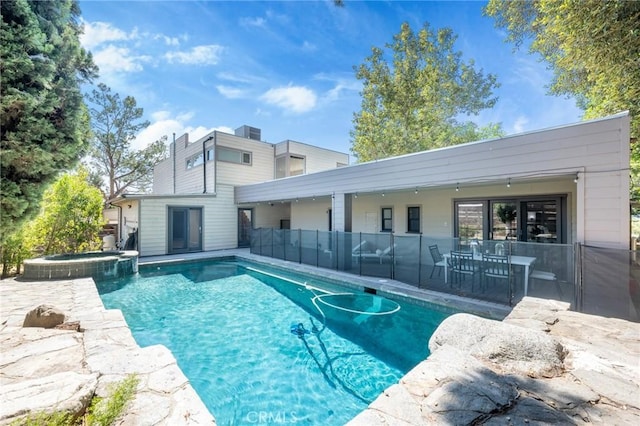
{"points": [[438, 260], [462, 266], [495, 267]]}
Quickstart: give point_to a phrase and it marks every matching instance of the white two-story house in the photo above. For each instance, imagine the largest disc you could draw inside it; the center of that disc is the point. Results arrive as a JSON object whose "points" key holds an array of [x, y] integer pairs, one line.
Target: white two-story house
{"points": [[192, 207]]}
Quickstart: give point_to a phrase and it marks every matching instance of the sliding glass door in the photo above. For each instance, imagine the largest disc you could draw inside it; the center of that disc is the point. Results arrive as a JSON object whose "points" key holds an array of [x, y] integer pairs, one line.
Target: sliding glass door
{"points": [[185, 229], [542, 220]]}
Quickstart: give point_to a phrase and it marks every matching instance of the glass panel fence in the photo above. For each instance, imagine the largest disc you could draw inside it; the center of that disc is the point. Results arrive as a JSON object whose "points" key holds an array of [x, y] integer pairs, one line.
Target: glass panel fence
{"points": [[406, 261], [278, 243], [608, 281]]}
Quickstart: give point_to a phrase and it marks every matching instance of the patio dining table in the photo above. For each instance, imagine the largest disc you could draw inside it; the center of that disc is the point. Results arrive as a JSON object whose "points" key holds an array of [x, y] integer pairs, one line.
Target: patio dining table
{"points": [[525, 261]]}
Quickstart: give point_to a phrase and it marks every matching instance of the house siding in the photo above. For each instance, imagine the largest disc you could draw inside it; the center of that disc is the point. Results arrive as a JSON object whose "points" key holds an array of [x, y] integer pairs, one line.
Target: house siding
{"points": [[262, 164], [219, 215]]}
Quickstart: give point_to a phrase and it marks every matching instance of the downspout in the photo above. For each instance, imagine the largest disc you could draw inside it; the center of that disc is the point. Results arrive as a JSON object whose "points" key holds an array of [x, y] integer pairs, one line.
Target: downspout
{"points": [[118, 245], [204, 163], [215, 162], [173, 156]]}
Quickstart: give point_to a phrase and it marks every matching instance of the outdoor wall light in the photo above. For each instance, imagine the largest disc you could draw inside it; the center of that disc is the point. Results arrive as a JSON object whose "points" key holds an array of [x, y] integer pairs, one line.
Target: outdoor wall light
{"points": [[355, 195], [383, 194], [416, 191], [509, 183], [575, 179], [457, 187]]}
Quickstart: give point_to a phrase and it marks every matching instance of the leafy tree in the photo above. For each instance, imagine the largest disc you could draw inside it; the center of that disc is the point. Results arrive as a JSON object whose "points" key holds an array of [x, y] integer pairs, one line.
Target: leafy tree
{"points": [[44, 124], [414, 104], [71, 217], [115, 123], [593, 48]]}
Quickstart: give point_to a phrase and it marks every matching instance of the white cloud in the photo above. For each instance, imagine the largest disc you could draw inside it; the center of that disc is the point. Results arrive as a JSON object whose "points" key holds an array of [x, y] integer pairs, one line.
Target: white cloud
{"points": [[118, 59], [309, 47], [253, 22], [169, 41], [520, 125], [296, 99], [198, 55], [96, 33], [235, 77], [532, 73], [231, 92]]}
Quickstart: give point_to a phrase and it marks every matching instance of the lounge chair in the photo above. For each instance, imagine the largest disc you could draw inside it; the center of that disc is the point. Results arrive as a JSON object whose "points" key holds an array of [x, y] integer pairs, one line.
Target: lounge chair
{"points": [[360, 248], [379, 254], [546, 276]]}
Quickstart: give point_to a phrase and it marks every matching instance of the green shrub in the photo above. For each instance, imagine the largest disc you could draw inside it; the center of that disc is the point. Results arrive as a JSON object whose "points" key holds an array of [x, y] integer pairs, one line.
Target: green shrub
{"points": [[104, 411]]}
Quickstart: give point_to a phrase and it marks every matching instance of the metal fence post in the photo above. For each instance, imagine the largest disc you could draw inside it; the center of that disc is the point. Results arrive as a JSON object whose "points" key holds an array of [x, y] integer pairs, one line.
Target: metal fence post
{"points": [[360, 254], [578, 290], [419, 260], [393, 256]]}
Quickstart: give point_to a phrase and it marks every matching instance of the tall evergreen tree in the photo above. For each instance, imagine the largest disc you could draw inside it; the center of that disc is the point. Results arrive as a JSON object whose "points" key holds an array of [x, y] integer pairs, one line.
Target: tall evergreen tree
{"points": [[414, 103], [44, 124]]}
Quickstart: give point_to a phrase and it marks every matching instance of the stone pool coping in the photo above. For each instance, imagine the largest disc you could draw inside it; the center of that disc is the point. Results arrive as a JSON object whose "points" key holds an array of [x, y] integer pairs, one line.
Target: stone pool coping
{"points": [[604, 356]]}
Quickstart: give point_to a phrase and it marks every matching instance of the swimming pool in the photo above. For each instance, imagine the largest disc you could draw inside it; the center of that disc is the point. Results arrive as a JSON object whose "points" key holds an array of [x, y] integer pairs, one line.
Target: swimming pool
{"points": [[266, 346]]}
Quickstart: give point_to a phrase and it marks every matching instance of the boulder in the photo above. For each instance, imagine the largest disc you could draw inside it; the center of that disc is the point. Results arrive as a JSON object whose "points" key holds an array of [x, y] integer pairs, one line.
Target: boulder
{"points": [[45, 316], [506, 348]]}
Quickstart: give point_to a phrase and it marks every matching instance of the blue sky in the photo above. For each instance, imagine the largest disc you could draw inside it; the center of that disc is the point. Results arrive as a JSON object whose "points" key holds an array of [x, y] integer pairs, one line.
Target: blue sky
{"points": [[286, 67]]}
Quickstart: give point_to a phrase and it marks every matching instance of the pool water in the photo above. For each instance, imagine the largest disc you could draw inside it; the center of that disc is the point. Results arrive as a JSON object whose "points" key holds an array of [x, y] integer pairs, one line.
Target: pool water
{"points": [[260, 349]]}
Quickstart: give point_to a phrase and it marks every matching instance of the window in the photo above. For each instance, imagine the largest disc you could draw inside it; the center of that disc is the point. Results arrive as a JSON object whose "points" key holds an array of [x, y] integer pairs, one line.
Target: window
{"points": [[290, 165], [413, 220], [296, 165], [233, 156], [470, 220], [195, 160], [210, 154], [387, 219]]}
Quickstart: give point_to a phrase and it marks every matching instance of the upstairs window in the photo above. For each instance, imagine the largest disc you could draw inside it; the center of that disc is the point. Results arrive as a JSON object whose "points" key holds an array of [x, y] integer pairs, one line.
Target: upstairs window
{"points": [[194, 160], [234, 156], [290, 165]]}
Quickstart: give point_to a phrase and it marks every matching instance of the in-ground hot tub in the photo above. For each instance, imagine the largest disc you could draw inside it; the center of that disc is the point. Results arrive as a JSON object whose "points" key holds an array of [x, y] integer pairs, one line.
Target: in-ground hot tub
{"points": [[98, 265]]}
